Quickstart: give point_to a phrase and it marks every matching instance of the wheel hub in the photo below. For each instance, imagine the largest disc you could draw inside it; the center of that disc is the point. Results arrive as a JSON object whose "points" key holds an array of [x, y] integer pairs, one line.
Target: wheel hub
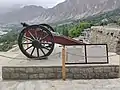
{"points": [[36, 44]]}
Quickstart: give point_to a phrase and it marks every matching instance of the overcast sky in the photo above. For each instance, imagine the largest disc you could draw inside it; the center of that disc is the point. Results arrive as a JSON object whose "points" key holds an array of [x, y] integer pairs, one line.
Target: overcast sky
{"points": [[44, 3]]}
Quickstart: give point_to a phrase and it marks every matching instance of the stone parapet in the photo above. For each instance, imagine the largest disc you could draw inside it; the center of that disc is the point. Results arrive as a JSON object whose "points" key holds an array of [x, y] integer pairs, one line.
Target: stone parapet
{"points": [[55, 72]]}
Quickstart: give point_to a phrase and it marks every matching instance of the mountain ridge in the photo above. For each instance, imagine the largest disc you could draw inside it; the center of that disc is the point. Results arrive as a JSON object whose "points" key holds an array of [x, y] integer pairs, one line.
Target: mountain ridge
{"points": [[69, 9]]}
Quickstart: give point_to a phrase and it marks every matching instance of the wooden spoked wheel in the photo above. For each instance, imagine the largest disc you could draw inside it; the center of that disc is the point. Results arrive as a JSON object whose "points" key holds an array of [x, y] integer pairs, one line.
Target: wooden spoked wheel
{"points": [[48, 27], [36, 41]]}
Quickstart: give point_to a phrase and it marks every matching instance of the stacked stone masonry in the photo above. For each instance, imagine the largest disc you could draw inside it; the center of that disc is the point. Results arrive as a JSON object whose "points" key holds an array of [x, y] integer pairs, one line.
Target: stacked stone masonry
{"points": [[72, 72], [105, 35]]}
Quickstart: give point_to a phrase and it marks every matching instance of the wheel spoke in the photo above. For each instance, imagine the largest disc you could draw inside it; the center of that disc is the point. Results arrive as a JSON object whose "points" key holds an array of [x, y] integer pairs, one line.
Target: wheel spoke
{"points": [[45, 43], [44, 37], [27, 43], [28, 48], [28, 38], [36, 34], [45, 48], [41, 34], [31, 35], [32, 50], [38, 52], [42, 51]]}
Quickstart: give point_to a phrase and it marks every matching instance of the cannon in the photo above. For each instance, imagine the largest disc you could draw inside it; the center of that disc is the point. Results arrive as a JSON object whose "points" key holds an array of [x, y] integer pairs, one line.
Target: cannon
{"points": [[37, 41]]}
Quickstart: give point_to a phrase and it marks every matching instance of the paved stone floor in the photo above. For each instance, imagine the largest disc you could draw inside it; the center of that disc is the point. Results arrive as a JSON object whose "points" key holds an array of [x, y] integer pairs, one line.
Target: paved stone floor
{"points": [[106, 84], [16, 58]]}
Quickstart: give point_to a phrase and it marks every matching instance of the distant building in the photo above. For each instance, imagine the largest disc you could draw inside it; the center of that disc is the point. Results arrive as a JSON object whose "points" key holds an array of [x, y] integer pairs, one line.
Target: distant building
{"points": [[85, 34]]}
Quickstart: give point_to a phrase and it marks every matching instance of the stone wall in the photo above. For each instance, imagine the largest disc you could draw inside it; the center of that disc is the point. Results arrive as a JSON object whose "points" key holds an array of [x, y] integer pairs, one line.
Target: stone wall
{"points": [[118, 47], [103, 36], [73, 72]]}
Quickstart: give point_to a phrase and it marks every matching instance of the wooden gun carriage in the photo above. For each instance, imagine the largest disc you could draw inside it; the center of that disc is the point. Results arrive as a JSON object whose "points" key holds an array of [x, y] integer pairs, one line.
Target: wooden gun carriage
{"points": [[37, 41]]}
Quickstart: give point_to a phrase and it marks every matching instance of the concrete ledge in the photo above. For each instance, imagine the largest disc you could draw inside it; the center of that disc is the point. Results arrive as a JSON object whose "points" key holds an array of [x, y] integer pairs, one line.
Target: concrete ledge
{"points": [[55, 72]]}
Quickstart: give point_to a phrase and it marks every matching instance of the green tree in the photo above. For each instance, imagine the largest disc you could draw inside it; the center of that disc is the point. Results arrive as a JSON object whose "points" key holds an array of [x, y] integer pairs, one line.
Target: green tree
{"points": [[74, 32], [77, 29]]}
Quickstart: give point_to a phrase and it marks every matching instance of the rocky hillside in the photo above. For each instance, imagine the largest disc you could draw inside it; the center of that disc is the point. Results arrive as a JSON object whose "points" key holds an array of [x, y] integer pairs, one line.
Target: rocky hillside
{"points": [[68, 10]]}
